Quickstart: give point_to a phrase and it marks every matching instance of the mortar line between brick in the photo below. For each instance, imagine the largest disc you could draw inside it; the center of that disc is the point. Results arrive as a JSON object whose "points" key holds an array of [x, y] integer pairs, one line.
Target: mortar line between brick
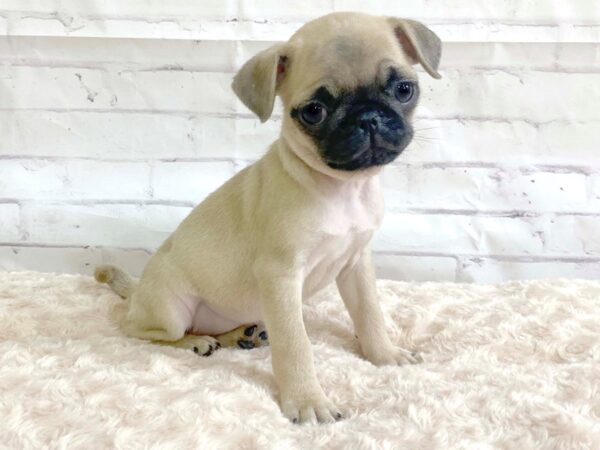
{"points": [[91, 202], [242, 115], [130, 67], [507, 258], [457, 268], [525, 169], [511, 214], [292, 20], [73, 246], [121, 160]]}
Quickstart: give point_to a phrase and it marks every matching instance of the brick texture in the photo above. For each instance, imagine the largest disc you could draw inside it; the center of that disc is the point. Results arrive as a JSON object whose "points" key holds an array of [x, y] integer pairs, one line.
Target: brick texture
{"points": [[116, 118]]}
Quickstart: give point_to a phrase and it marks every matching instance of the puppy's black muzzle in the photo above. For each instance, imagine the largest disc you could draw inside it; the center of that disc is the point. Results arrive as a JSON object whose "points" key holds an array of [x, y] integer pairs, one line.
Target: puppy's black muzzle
{"points": [[370, 134]]}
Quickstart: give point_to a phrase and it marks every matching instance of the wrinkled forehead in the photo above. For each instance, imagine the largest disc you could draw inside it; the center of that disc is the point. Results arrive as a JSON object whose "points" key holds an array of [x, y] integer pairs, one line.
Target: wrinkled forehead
{"points": [[344, 59]]}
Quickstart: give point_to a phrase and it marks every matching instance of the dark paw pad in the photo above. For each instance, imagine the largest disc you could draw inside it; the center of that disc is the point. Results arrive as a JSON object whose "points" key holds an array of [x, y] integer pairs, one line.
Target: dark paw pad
{"points": [[246, 345], [263, 336], [210, 351], [250, 330]]}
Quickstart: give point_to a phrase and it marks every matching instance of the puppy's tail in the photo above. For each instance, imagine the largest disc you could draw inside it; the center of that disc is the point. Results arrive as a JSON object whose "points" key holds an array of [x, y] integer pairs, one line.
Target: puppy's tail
{"points": [[118, 280]]}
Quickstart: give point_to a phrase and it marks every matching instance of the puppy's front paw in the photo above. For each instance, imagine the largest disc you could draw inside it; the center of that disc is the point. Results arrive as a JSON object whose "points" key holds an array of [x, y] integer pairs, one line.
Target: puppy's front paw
{"points": [[246, 337], [311, 409], [392, 356]]}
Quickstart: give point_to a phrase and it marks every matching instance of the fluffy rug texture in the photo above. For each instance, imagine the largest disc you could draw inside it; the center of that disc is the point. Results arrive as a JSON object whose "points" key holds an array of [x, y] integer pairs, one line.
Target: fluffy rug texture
{"points": [[515, 365]]}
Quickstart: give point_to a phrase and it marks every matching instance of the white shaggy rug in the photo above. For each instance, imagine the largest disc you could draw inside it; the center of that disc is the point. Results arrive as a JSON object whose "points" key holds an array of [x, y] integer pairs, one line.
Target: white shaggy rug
{"points": [[513, 366]]}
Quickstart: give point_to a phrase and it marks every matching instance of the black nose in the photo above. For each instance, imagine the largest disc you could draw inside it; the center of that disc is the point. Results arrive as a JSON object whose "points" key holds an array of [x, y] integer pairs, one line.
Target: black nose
{"points": [[369, 121]]}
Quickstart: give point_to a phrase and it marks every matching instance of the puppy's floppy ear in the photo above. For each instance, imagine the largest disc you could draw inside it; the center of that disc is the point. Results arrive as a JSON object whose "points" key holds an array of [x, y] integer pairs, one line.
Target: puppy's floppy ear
{"points": [[420, 43], [257, 81]]}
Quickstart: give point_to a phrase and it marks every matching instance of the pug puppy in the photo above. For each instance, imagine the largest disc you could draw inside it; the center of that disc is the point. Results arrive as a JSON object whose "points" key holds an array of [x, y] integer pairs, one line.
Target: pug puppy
{"points": [[303, 215]]}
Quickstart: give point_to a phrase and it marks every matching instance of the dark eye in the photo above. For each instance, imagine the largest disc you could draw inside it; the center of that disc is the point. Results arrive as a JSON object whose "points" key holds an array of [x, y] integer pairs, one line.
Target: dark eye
{"points": [[404, 91], [313, 113]]}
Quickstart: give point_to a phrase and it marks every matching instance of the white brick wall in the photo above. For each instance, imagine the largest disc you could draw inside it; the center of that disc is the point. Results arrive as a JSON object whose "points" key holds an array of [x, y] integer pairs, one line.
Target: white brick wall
{"points": [[116, 118], [9, 222]]}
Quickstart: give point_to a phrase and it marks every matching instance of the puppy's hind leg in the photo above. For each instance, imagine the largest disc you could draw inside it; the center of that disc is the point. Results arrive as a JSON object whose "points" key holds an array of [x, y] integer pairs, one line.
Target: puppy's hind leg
{"points": [[154, 314], [201, 345]]}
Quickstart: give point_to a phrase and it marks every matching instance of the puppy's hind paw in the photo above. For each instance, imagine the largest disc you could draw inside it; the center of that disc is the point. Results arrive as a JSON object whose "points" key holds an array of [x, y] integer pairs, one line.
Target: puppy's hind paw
{"points": [[213, 346], [200, 345]]}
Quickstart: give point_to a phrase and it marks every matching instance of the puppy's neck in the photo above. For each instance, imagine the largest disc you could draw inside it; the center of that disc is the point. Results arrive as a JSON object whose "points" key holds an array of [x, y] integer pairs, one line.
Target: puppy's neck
{"points": [[308, 170]]}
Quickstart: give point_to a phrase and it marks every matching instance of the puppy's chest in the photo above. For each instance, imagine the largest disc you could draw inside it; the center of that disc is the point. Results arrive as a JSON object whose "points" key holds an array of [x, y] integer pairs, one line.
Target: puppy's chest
{"points": [[331, 249], [343, 233], [330, 254]]}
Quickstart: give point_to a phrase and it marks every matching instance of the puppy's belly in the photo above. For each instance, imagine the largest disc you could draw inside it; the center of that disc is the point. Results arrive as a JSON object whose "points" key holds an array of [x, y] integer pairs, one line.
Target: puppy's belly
{"points": [[208, 320]]}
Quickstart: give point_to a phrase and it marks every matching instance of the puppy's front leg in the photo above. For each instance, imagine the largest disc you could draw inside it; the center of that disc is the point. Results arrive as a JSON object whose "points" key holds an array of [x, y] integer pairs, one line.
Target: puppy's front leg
{"points": [[357, 288], [302, 398]]}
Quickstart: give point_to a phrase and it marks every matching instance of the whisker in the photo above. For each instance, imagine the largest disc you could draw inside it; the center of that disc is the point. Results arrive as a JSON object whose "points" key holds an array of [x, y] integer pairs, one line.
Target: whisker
{"points": [[428, 128], [426, 139]]}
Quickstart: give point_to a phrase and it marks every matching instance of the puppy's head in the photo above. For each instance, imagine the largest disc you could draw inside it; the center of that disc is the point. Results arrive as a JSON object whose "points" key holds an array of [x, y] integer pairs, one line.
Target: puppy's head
{"points": [[348, 88]]}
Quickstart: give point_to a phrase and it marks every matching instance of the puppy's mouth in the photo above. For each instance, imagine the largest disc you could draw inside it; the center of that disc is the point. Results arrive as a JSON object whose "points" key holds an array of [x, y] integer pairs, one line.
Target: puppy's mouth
{"points": [[372, 152], [372, 156]]}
